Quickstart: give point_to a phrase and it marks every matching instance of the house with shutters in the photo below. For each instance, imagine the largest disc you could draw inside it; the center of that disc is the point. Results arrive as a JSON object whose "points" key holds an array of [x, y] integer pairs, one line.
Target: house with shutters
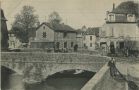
{"points": [[87, 39], [121, 26], [90, 38], [55, 36]]}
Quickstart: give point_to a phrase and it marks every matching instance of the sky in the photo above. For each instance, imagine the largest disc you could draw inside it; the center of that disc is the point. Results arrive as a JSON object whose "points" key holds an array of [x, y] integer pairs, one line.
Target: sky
{"points": [[75, 13]]}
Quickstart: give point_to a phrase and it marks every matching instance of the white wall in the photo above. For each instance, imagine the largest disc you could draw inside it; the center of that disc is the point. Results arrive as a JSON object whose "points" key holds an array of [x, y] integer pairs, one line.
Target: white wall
{"points": [[121, 29], [87, 41]]}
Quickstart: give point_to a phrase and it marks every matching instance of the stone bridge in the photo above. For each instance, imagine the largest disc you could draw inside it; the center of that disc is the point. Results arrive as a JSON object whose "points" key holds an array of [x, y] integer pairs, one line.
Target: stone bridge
{"points": [[38, 66]]}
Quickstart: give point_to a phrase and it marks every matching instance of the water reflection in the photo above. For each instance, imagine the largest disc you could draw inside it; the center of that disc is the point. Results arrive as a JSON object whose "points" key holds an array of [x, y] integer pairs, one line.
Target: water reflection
{"points": [[67, 80]]}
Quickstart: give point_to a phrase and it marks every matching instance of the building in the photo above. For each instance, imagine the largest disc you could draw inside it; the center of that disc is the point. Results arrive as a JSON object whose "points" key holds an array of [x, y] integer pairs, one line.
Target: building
{"points": [[90, 38], [80, 38], [54, 35], [14, 42], [4, 31], [120, 26]]}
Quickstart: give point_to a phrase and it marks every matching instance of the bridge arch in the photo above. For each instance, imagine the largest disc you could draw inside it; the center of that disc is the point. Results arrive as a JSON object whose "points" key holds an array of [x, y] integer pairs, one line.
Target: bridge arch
{"points": [[7, 70], [73, 73], [48, 64], [13, 67], [52, 69]]}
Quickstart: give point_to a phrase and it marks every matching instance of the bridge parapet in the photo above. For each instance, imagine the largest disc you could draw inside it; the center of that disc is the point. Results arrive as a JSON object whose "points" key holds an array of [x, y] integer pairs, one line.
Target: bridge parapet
{"points": [[59, 57], [38, 66]]}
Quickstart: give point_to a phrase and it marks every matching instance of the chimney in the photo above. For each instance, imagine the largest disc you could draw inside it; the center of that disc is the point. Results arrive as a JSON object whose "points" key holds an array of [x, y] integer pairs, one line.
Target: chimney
{"points": [[113, 6]]}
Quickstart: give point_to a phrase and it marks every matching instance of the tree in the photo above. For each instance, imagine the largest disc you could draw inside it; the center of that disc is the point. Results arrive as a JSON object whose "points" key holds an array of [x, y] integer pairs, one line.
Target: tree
{"points": [[4, 32], [25, 22], [55, 17]]}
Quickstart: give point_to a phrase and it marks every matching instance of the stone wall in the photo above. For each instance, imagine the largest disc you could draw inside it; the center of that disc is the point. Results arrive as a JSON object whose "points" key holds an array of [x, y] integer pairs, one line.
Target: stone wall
{"points": [[103, 81], [58, 57], [38, 66], [69, 38]]}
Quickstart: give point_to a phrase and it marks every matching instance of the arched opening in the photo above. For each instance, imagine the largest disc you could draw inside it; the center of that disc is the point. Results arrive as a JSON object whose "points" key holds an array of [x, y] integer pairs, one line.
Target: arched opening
{"points": [[72, 73], [64, 80]]}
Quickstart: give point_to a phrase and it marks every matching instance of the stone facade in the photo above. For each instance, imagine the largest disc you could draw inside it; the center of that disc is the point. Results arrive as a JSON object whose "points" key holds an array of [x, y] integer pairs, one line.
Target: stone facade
{"points": [[58, 38], [44, 38], [65, 40], [45, 64]]}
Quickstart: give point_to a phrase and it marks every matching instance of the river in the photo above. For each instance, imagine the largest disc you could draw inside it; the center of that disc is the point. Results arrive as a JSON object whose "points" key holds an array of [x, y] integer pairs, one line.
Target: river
{"points": [[66, 80]]}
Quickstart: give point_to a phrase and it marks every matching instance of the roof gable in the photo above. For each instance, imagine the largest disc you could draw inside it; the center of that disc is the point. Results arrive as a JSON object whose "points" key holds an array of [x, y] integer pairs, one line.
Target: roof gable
{"points": [[57, 27]]}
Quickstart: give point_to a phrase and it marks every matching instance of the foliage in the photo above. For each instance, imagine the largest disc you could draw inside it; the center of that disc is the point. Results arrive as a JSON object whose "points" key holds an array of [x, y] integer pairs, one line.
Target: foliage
{"points": [[55, 17], [24, 23]]}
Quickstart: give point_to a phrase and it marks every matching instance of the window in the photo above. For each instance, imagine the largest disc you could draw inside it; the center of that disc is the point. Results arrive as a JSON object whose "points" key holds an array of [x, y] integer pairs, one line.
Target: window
{"points": [[44, 35], [130, 17], [57, 45], [65, 44], [112, 32], [84, 45], [90, 37], [43, 27], [71, 44], [64, 34], [111, 17], [90, 44]]}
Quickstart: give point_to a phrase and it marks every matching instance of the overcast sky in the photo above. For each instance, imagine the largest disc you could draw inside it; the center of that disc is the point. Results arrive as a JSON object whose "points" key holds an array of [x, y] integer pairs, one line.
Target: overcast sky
{"points": [[75, 13]]}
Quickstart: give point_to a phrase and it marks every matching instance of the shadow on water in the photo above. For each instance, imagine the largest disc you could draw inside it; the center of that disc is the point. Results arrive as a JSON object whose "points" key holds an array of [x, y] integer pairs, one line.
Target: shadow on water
{"points": [[65, 80], [5, 74], [10, 80]]}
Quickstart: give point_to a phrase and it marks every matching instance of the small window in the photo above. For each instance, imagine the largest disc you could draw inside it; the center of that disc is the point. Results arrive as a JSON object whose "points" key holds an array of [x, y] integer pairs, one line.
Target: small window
{"points": [[43, 27], [90, 37], [111, 17], [44, 35], [84, 45], [64, 34], [65, 44], [90, 44], [57, 45], [130, 15], [71, 44]]}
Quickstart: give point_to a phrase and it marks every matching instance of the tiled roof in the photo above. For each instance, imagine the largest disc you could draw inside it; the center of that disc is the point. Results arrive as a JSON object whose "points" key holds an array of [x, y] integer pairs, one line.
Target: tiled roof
{"points": [[92, 31], [58, 27], [128, 7]]}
